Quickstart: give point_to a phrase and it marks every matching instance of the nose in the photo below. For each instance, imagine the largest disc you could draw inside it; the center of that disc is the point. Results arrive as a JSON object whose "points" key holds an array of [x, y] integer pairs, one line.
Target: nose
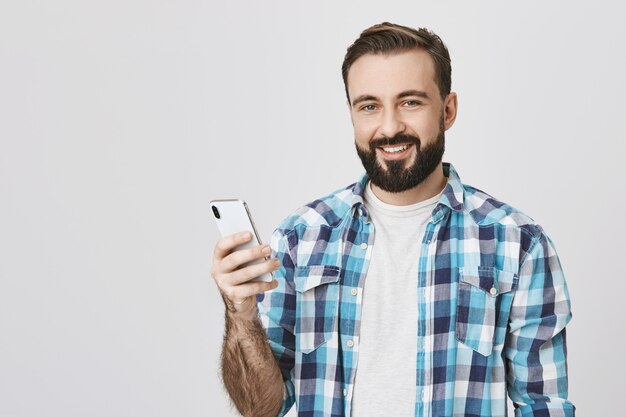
{"points": [[391, 123]]}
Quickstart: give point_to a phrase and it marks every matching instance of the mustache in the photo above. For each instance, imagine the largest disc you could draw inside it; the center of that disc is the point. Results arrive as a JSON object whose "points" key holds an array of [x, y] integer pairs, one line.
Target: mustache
{"points": [[399, 139]]}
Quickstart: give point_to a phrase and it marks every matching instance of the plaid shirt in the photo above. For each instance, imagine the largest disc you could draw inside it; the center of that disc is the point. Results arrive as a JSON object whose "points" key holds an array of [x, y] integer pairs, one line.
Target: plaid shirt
{"points": [[493, 305]]}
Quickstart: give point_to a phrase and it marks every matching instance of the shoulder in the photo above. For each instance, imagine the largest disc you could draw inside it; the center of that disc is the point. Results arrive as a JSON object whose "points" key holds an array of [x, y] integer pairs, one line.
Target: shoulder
{"points": [[328, 210], [486, 210]]}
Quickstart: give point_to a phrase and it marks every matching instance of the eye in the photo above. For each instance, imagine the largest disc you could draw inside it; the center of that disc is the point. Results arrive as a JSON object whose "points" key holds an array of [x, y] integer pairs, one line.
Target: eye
{"points": [[412, 103], [369, 107]]}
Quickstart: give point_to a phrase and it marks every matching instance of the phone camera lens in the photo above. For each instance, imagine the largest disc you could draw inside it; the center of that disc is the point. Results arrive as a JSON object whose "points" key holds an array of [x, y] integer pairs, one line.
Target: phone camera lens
{"points": [[216, 212]]}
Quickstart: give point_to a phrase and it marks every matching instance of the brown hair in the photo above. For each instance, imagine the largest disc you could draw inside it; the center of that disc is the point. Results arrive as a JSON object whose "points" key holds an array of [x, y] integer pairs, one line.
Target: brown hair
{"points": [[388, 37]]}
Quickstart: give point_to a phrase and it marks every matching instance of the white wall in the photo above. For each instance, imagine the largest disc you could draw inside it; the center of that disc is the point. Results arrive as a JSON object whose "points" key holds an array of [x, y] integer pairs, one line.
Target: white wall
{"points": [[120, 120]]}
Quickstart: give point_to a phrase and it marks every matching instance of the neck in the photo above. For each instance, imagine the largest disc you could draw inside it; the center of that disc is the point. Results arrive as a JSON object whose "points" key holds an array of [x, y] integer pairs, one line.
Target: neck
{"points": [[430, 187]]}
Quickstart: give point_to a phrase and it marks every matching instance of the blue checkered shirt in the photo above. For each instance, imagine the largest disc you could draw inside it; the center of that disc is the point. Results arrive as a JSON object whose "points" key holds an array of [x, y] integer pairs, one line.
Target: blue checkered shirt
{"points": [[492, 300]]}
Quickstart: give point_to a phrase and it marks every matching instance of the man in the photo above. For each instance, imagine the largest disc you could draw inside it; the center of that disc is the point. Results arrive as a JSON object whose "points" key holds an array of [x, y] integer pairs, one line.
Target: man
{"points": [[408, 292]]}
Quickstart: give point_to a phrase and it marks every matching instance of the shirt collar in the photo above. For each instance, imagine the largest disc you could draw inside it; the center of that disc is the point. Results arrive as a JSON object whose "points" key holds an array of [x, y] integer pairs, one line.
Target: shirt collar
{"points": [[452, 196], [453, 193]]}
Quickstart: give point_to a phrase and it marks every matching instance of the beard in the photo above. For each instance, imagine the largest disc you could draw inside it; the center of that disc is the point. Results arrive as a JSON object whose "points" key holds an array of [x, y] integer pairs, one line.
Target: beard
{"points": [[395, 177]]}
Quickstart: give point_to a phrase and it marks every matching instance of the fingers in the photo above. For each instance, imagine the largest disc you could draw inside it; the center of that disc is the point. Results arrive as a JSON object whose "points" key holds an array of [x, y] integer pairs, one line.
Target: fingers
{"points": [[239, 293], [240, 257], [234, 282], [226, 244], [252, 271]]}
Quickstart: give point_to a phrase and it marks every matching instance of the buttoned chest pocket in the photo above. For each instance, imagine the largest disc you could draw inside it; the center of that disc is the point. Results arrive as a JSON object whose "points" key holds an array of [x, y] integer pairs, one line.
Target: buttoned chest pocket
{"points": [[317, 298], [477, 305]]}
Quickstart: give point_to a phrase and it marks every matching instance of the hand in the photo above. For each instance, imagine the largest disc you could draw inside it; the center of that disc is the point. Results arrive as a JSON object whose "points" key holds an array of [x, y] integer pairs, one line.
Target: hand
{"points": [[237, 292]]}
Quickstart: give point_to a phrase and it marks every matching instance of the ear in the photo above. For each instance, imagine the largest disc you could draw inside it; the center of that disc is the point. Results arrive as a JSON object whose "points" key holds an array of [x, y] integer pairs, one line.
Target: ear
{"points": [[450, 106]]}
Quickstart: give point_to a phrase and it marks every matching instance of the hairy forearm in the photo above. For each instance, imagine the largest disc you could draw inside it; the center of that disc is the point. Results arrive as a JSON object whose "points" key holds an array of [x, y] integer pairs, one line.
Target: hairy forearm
{"points": [[250, 373]]}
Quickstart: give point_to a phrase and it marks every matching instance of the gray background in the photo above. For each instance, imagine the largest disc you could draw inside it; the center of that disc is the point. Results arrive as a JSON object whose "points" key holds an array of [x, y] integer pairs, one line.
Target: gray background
{"points": [[120, 120]]}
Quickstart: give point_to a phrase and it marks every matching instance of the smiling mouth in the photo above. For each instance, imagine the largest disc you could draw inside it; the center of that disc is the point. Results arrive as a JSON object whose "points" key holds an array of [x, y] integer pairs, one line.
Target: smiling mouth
{"points": [[397, 151], [394, 149]]}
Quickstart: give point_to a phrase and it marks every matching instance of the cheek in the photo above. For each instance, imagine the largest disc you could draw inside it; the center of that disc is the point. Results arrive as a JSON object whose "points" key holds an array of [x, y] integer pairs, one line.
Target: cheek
{"points": [[363, 132], [425, 128]]}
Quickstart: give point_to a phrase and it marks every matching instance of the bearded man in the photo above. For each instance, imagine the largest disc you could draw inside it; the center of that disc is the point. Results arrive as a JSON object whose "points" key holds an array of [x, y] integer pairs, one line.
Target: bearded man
{"points": [[408, 292]]}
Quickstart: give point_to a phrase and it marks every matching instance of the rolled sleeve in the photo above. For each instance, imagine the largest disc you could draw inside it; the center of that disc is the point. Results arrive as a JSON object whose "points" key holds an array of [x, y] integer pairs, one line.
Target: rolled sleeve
{"points": [[277, 315], [536, 350]]}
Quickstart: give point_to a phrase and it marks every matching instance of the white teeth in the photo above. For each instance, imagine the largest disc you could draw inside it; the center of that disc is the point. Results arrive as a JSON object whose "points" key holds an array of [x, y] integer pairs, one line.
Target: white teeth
{"points": [[396, 148]]}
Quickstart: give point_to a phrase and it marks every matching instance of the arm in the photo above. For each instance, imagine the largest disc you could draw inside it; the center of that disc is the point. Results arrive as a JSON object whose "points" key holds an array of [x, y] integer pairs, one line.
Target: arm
{"points": [[535, 349], [249, 371]]}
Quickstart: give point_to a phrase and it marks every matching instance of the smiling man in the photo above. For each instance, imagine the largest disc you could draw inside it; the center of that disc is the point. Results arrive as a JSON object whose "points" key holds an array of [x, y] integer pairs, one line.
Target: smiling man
{"points": [[396, 102], [408, 292]]}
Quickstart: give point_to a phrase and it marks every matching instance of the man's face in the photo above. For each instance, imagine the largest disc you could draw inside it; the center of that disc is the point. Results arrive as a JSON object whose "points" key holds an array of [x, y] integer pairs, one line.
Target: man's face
{"points": [[398, 117]]}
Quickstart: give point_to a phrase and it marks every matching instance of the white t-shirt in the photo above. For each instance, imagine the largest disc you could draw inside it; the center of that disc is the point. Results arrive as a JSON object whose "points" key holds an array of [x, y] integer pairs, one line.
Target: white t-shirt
{"points": [[385, 381]]}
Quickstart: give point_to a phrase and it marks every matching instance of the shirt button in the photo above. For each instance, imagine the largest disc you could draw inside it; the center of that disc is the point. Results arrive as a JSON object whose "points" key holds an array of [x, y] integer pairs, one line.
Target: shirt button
{"points": [[350, 343], [363, 245], [354, 291], [493, 291], [345, 392]]}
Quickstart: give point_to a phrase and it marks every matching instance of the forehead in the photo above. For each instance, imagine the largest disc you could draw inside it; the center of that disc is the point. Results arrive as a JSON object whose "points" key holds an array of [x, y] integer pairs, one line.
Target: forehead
{"points": [[388, 74]]}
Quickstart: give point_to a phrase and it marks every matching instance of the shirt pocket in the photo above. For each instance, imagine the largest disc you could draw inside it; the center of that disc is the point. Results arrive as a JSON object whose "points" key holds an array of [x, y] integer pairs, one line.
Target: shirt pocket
{"points": [[317, 303], [476, 313]]}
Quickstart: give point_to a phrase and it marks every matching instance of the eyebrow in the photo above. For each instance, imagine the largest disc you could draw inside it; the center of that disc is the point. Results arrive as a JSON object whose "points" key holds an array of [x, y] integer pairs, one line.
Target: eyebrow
{"points": [[407, 93]]}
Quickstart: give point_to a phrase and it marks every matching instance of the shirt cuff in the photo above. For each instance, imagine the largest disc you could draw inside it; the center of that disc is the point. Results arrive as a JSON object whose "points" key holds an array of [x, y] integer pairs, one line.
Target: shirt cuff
{"points": [[548, 409]]}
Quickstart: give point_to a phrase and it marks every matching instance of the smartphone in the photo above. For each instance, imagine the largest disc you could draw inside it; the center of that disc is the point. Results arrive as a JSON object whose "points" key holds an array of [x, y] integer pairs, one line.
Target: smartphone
{"points": [[233, 216]]}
